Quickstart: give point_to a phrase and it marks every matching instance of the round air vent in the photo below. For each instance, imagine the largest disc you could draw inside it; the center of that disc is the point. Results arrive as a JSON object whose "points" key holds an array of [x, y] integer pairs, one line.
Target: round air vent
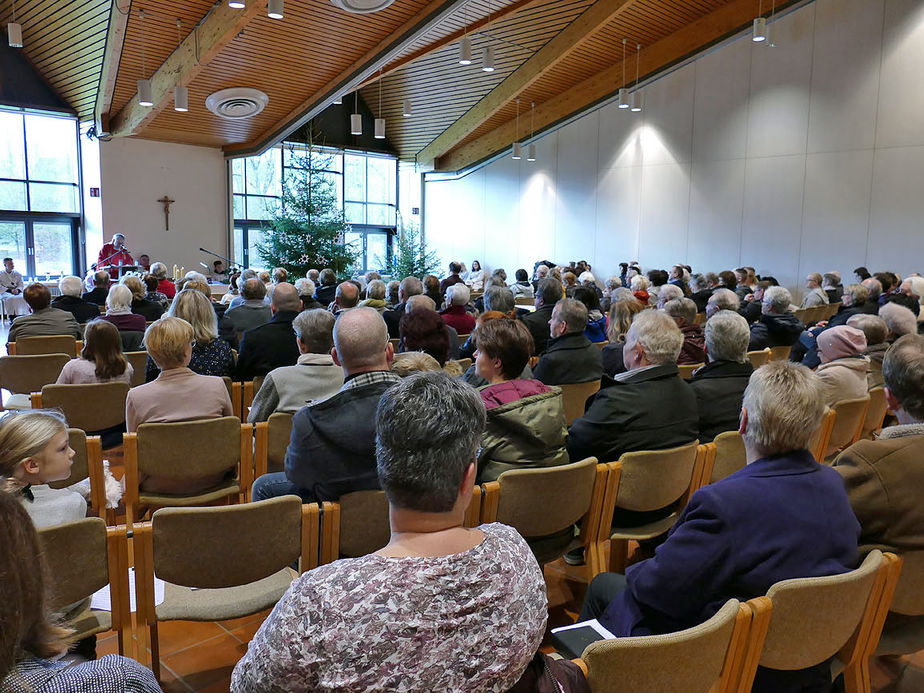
{"points": [[236, 103], [362, 6]]}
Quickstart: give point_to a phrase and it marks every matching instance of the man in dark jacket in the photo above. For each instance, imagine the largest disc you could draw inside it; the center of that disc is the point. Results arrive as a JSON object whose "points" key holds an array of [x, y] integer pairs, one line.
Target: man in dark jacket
{"points": [[332, 448], [253, 312], [69, 300], [548, 293], [271, 345], [100, 289], [777, 326], [720, 384], [683, 311], [409, 286], [569, 356], [326, 292]]}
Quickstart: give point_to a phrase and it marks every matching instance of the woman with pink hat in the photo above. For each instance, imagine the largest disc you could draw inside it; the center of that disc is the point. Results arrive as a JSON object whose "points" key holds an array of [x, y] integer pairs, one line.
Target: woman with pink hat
{"points": [[843, 366]]}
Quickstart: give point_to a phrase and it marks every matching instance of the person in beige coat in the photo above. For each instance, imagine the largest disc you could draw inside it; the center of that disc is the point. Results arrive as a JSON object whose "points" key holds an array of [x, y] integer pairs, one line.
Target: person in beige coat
{"points": [[843, 366]]}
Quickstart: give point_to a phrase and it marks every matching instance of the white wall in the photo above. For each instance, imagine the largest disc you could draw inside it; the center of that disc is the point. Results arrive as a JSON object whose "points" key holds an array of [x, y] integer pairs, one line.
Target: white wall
{"points": [[136, 173], [807, 156]]}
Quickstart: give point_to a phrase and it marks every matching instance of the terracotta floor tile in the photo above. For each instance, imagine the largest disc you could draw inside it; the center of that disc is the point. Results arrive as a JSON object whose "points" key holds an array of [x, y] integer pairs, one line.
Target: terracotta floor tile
{"points": [[235, 623], [208, 663], [246, 632], [174, 636], [222, 686]]}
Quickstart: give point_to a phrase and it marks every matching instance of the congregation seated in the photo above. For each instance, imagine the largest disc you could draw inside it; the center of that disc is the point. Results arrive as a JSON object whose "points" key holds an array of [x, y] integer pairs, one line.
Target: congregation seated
{"points": [[569, 357], [306, 288], [153, 294], [676, 278], [375, 296], [904, 295], [149, 310], [666, 293], [327, 288], [496, 299], [226, 331], [753, 302], [474, 278], [815, 296], [164, 285], [44, 320], [391, 299], [455, 313], [639, 286], [683, 311], [119, 310], [270, 346], [70, 300], [234, 289], [471, 376], [412, 362], [346, 297], [441, 607], [783, 516], [874, 288], [843, 366], [101, 359], [423, 330], [899, 319], [246, 275], [34, 452], [100, 290], [253, 311], [831, 285], [332, 448], [722, 299], [623, 308], [522, 287], [876, 333], [33, 645], [700, 291], [315, 376], [595, 329], [719, 385], [409, 286], [525, 418], [777, 325], [210, 355]]}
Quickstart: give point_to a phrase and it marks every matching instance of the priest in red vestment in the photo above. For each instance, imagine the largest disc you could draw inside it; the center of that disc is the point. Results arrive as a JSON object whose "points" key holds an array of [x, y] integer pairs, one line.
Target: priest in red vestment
{"points": [[114, 255]]}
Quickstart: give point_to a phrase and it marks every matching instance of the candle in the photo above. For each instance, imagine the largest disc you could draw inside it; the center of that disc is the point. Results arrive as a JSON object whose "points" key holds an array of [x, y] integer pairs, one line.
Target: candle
{"points": [[174, 272], [182, 271]]}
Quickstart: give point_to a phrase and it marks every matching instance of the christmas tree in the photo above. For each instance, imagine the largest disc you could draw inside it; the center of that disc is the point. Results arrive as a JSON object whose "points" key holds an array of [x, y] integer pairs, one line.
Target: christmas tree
{"points": [[411, 257]]}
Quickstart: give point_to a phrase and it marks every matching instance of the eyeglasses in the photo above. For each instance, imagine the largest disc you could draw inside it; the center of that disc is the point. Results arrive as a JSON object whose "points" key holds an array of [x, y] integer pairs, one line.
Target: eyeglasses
{"points": [[193, 344]]}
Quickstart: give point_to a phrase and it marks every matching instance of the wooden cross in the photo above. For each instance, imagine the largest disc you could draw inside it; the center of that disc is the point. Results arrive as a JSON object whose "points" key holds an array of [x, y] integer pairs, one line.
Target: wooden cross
{"points": [[166, 202]]}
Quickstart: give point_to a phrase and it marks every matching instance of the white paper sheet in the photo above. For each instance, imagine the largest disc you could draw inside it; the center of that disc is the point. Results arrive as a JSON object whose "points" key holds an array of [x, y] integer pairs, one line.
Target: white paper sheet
{"points": [[101, 601], [593, 623]]}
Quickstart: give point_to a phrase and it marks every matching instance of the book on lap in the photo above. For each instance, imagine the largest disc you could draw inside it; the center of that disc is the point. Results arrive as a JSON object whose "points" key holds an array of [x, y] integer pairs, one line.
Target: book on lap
{"points": [[571, 640]]}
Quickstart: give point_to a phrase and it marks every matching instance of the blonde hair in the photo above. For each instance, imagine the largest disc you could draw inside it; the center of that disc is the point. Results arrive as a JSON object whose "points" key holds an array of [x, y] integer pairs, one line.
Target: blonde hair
{"points": [[413, 362], [25, 435], [135, 285], [166, 341], [622, 313], [200, 286], [192, 306]]}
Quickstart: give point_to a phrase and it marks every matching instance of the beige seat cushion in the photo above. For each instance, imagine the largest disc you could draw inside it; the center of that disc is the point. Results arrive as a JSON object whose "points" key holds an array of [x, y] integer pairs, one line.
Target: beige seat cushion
{"points": [[182, 603]]}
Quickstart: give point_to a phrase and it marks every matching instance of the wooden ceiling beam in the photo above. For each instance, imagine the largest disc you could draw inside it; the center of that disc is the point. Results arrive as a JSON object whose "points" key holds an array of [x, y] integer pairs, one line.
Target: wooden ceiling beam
{"points": [[585, 25], [112, 56], [680, 45], [181, 67], [352, 77]]}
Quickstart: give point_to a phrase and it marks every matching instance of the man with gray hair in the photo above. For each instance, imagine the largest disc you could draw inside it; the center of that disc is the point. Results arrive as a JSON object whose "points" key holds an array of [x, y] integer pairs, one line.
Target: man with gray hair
{"points": [[899, 320], [777, 325], [722, 299], [783, 516], [70, 300], [874, 288], [454, 314], [100, 290], [719, 385], [345, 298], [548, 293], [332, 448], [306, 288], [409, 286], [815, 296], [668, 292], [683, 311], [315, 376], [253, 312], [271, 345], [327, 288], [569, 356]]}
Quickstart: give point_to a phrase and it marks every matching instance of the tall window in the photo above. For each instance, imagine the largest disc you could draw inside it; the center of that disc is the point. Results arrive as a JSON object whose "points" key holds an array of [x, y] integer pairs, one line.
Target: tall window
{"points": [[39, 192], [366, 186]]}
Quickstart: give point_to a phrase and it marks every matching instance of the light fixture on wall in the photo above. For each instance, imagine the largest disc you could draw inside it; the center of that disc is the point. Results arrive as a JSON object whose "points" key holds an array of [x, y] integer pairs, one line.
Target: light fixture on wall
{"points": [[380, 121], [14, 31], [180, 93], [487, 59], [465, 45], [623, 92], [144, 84], [517, 148], [759, 32], [356, 120], [637, 95], [407, 109], [274, 9], [531, 150], [237, 4]]}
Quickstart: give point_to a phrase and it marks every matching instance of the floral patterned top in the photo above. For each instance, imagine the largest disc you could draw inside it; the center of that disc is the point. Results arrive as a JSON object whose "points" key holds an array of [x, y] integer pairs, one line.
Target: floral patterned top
{"points": [[214, 358], [470, 621]]}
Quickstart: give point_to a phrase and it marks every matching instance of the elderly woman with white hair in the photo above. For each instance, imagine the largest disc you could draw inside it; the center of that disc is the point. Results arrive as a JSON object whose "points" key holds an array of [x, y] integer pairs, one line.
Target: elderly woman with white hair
{"points": [[71, 288], [164, 285], [455, 314], [899, 319], [119, 310]]}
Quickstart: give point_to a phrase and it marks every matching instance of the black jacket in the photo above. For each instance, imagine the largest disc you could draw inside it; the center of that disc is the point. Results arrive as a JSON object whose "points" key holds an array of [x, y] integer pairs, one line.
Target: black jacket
{"points": [[751, 311], [645, 409], [151, 310], [268, 346], [538, 324], [332, 448], [97, 296], [719, 388], [392, 319], [611, 355], [325, 294], [775, 329], [701, 298], [571, 358], [83, 311]]}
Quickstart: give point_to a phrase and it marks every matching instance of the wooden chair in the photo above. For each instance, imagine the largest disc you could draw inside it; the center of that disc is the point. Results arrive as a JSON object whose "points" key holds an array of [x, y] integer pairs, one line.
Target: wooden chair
{"points": [[524, 301], [780, 353], [759, 358], [87, 464], [729, 456], [235, 392], [819, 442], [600, 345], [574, 396], [686, 369], [643, 482], [220, 563], [394, 344], [82, 558], [23, 375], [89, 407], [271, 439], [464, 364], [544, 504], [875, 414], [704, 658], [139, 361], [904, 629], [52, 344], [700, 319], [813, 619], [849, 419], [188, 452]]}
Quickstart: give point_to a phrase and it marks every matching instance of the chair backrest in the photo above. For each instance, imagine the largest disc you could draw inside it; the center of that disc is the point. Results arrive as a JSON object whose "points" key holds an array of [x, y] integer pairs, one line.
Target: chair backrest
{"points": [[131, 339], [539, 502], [139, 361], [76, 556], [686, 369], [850, 415], [89, 407], [654, 479], [875, 414], [600, 345], [88, 463], [819, 442], [363, 523], [698, 659], [51, 344], [279, 432], [524, 301], [189, 449], [215, 547], [909, 593], [759, 358], [780, 353], [464, 364], [574, 396], [26, 374], [813, 618], [730, 455]]}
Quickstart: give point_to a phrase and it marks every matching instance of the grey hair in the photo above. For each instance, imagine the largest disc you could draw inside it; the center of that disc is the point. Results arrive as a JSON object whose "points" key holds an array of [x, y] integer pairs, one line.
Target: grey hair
{"points": [[315, 329], [903, 372], [681, 308], [499, 298], [622, 294], [410, 286], [785, 403], [668, 292], [376, 289], [724, 299], [305, 287], [119, 298], [419, 302], [874, 286], [698, 282], [613, 283], [900, 320], [196, 276], [777, 298], [248, 274], [458, 294], [872, 326], [159, 270], [549, 290], [657, 334], [542, 270], [573, 313], [639, 282], [727, 337], [422, 460], [70, 286], [857, 292], [328, 276]]}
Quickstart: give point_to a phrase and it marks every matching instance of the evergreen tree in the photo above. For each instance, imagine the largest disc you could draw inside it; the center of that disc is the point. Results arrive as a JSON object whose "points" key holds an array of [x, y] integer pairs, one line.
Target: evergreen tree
{"points": [[410, 256]]}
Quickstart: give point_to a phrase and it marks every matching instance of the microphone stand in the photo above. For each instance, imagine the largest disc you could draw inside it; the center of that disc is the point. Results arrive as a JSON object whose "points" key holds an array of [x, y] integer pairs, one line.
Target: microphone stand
{"points": [[121, 250], [231, 263]]}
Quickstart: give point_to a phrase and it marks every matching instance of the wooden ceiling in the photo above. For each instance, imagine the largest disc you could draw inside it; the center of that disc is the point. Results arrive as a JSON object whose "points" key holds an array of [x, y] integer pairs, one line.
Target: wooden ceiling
{"points": [[564, 55]]}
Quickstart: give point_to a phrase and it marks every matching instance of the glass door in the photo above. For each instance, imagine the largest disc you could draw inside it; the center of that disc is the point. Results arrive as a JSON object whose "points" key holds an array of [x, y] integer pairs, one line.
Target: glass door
{"points": [[13, 244], [42, 247]]}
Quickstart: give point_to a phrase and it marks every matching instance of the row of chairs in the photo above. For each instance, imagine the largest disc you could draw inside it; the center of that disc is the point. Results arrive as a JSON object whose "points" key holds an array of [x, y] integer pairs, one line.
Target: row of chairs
{"points": [[817, 313]]}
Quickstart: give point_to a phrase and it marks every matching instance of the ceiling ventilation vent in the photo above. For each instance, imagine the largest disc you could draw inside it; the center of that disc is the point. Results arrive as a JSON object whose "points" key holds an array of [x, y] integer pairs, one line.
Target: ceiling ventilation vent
{"points": [[362, 6], [236, 103]]}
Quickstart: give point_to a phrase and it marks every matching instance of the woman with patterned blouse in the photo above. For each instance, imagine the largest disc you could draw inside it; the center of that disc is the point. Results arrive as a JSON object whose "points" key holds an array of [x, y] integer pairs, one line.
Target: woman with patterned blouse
{"points": [[441, 607]]}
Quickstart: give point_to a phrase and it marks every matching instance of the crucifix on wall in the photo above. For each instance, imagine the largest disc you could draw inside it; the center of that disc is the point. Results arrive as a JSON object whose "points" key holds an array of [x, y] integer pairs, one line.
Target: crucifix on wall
{"points": [[166, 202]]}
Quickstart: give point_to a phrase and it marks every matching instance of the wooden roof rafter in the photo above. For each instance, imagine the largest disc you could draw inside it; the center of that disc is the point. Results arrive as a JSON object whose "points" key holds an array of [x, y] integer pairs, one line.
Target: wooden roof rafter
{"points": [[115, 39]]}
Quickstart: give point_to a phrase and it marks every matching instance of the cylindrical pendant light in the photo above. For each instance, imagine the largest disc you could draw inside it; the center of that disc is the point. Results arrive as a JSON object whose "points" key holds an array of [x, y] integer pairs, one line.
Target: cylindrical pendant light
{"points": [[624, 98], [623, 92], [237, 4], [517, 151], [487, 59], [356, 120], [144, 93], [380, 128], [760, 30], [338, 101], [531, 150], [180, 99], [14, 34], [636, 102], [517, 148], [531, 153], [407, 109], [274, 9], [465, 51]]}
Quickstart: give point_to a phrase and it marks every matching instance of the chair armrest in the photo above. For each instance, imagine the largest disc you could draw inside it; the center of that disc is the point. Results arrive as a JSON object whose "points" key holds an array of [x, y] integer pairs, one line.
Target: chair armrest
{"points": [[490, 492], [261, 449], [311, 535], [36, 400], [473, 511], [330, 532], [245, 467], [97, 476], [582, 665]]}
